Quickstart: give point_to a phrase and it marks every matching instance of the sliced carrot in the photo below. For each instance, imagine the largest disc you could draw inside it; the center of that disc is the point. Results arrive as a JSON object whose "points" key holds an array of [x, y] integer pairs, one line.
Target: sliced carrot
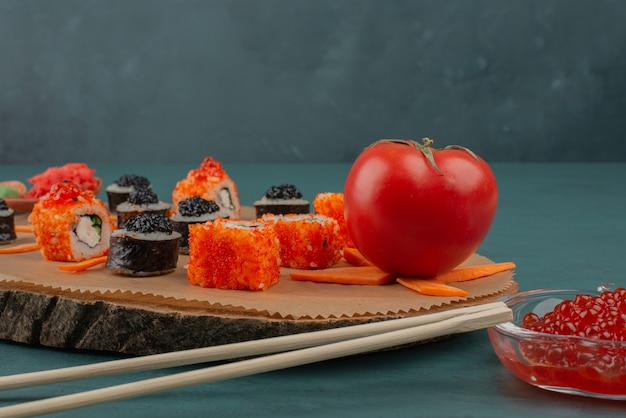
{"points": [[23, 228], [365, 275], [463, 274], [431, 286], [354, 257], [17, 249], [83, 265]]}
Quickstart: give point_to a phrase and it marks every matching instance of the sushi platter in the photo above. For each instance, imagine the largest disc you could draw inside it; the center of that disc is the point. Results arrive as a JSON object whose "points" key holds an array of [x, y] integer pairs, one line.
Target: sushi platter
{"points": [[144, 299], [97, 310]]}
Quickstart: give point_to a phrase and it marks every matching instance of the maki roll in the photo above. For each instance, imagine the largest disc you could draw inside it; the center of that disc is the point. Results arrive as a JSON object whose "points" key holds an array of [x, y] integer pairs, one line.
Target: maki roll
{"points": [[119, 191], [7, 223], [193, 210], [281, 200], [140, 200], [307, 241], [331, 204], [238, 255], [71, 224], [147, 246], [210, 182]]}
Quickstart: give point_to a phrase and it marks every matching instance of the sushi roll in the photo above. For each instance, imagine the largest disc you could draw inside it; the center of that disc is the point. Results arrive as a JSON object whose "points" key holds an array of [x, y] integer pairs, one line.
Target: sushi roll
{"points": [[238, 255], [331, 204], [147, 246], [119, 191], [7, 223], [71, 224], [193, 210], [307, 241], [209, 181], [140, 200], [281, 200]]}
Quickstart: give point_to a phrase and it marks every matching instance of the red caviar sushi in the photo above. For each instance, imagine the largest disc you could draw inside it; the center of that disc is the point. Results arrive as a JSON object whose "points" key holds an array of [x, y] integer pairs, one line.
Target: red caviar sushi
{"points": [[239, 255], [209, 181], [307, 241], [331, 204], [71, 224]]}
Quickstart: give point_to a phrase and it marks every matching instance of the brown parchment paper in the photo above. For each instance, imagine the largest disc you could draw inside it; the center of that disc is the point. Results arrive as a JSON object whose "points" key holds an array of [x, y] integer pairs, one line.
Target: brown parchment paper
{"points": [[287, 299]]}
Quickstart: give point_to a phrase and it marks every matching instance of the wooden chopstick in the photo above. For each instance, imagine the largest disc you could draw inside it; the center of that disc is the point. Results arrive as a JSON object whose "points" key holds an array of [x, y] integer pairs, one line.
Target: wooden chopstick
{"points": [[494, 314], [229, 351]]}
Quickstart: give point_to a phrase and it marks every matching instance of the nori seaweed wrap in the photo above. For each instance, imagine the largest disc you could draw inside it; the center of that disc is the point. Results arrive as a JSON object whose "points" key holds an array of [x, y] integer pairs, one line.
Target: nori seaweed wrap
{"points": [[281, 200], [7, 223], [119, 191], [194, 210], [146, 247], [140, 200]]}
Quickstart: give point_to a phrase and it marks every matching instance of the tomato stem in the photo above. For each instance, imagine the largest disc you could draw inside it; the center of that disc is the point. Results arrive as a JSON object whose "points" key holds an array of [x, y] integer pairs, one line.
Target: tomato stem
{"points": [[424, 147]]}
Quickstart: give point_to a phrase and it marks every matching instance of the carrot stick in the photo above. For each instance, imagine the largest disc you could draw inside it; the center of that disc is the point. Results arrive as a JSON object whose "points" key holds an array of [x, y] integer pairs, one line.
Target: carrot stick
{"points": [[23, 228], [431, 286], [83, 265], [17, 249], [463, 274], [354, 257], [365, 275]]}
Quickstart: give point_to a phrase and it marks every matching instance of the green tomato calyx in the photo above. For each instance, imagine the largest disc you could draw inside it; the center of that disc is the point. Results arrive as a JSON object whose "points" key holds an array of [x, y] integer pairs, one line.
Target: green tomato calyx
{"points": [[427, 150]]}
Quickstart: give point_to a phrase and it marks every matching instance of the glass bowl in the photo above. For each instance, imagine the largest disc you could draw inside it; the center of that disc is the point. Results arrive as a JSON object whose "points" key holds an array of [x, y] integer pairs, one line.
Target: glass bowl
{"points": [[567, 364]]}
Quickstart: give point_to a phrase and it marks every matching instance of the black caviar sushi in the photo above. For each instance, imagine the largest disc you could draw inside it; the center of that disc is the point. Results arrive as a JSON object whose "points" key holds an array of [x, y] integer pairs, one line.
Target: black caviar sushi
{"points": [[7, 223], [119, 191], [193, 210], [147, 246], [281, 200], [140, 200]]}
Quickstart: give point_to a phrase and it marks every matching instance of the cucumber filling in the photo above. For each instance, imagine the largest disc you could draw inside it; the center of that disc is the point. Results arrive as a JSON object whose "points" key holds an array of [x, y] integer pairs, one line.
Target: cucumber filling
{"points": [[225, 199], [89, 230]]}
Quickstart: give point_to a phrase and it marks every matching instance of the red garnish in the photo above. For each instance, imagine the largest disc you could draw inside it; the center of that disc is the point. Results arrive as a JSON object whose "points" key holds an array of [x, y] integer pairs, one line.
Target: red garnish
{"points": [[592, 366], [600, 317]]}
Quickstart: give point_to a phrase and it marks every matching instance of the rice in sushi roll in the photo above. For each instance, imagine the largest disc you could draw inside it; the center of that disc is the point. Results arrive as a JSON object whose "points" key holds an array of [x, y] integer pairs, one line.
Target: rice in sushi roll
{"points": [[71, 224], [238, 255], [307, 241], [281, 200], [194, 210], [147, 246], [7, 223], [119, 191], [140, 200], [210, 182]]}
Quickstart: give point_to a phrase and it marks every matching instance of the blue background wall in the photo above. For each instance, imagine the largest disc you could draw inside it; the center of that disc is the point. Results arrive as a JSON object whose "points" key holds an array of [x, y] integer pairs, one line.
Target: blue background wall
{"points": [[315, 80]]}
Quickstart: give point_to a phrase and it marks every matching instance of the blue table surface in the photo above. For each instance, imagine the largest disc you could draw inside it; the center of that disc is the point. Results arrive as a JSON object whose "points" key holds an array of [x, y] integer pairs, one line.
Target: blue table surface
{"points": [[563, 224]]}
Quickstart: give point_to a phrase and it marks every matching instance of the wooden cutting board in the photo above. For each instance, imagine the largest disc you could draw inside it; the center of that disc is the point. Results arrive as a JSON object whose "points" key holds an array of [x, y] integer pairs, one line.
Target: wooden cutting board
{"points": [[98, 310]]}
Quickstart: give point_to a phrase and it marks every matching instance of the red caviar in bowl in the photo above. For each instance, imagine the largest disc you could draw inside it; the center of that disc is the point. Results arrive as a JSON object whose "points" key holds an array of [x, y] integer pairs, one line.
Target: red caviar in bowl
{"points": [[578, 347], [591, 316]]}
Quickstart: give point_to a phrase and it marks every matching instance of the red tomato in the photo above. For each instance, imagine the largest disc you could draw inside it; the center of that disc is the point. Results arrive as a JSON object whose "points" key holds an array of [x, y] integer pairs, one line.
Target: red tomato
{"points": [[414, 215]]}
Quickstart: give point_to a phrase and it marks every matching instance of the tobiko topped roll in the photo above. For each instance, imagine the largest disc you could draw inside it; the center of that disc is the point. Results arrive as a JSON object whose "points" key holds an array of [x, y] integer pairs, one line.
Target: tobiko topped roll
{"points": [[331, 204], [140, 200], [7, 223], [209, 181], [71, 224], [307, 241], [281, 200], [147, 246], [238, 255], [193, 210], [119, 190]]}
